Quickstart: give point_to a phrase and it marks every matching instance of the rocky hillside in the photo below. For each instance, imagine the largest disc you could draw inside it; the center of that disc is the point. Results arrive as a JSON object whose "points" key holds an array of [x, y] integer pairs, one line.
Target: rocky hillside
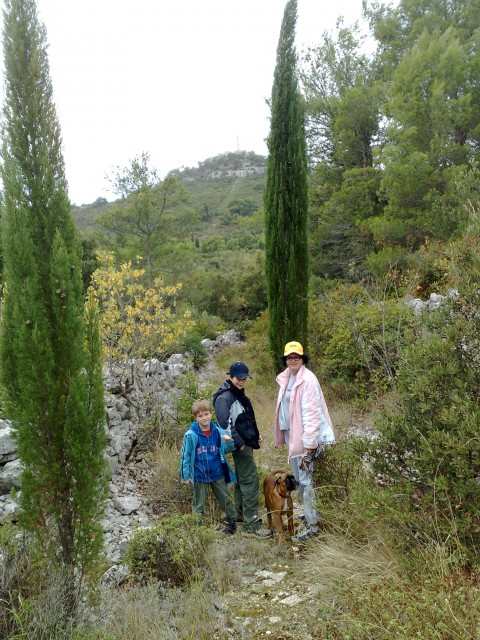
{"points": [[228, 184]]}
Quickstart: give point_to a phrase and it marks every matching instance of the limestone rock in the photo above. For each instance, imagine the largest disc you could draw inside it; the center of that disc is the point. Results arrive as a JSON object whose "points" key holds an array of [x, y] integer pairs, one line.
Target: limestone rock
{"points": [[127, 504]]}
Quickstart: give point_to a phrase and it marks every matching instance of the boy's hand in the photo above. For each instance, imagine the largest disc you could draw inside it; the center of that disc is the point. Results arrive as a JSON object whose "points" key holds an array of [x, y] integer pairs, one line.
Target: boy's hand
{"points": [[188, 482], [226, 437]]}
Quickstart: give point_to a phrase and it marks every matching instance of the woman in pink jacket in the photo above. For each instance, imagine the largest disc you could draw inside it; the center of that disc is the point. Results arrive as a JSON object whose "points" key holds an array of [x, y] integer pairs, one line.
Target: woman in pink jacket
{"points": [[303, 423]]}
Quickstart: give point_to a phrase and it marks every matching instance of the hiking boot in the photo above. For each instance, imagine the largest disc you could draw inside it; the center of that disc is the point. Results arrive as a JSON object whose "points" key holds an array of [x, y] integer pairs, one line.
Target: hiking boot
{"points": [[306, 531], [230, 528], [261, 532]]}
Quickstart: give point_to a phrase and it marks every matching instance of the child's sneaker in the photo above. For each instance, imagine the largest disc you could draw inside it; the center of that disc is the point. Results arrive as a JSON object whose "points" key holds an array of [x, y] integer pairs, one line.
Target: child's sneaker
{"points": [[230, 528]]}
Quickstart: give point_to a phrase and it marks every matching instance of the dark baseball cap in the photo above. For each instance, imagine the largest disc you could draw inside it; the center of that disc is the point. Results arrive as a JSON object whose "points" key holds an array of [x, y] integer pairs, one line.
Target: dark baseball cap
{"points": [[239, 370]]}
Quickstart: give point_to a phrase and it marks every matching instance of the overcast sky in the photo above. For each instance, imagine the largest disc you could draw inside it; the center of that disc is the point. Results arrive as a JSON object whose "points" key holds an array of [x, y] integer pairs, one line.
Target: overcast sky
{"points": [[184, 80]]}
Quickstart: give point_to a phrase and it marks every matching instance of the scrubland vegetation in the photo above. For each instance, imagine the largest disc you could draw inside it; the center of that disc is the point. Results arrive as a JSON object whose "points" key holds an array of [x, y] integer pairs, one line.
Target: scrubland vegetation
{"points": [[394, 214]]}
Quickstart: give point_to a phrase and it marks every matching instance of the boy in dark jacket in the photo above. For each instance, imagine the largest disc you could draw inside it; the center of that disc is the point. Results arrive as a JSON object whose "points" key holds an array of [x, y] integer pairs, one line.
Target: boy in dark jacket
{"points": [[203, 463], [235, 414]]}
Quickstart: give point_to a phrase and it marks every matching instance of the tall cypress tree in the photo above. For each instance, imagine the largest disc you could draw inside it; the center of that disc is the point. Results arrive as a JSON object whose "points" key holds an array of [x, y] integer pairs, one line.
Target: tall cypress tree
{"points": [[50, 348], [285, 199]]}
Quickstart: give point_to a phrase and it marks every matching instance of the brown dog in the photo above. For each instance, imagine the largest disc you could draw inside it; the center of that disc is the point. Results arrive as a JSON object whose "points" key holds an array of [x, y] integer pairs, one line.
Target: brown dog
{"points": [[277, 488]]}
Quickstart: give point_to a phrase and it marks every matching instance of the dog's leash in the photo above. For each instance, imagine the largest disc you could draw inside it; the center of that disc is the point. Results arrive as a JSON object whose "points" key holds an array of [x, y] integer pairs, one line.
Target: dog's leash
{"points": [[307, 463]]}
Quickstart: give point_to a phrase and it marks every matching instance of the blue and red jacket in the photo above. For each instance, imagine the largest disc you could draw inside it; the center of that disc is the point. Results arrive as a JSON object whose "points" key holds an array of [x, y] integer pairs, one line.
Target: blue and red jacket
{"points": [[195, 467]]}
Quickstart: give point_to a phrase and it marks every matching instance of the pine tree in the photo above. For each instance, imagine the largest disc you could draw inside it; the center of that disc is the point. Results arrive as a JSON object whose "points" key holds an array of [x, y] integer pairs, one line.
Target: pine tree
{"points": [[50, 347], [285, 199]]}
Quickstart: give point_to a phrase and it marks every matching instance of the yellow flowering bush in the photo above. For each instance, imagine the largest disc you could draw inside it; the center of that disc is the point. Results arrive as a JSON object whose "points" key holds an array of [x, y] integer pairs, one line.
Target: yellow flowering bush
{"points": [[136, 321]]}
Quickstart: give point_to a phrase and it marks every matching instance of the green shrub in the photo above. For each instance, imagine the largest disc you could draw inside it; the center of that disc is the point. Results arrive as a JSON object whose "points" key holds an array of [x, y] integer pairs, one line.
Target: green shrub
{"points": [[258, 351], [345, 493], [243, 207], [429, 268], [190, 389], [173, 550], [339, 469], [388, 260], [357, 339], [193, 347], [429, 450], [208, 326]]}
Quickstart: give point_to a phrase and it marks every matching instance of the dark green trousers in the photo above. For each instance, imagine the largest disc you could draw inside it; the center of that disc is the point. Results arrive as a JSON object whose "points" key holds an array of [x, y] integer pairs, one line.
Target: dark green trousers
{"points": [[246, 488], [221, 493]]}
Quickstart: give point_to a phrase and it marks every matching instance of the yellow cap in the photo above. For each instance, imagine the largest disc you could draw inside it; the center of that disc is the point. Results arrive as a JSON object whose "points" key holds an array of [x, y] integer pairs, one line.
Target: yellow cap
{"points": [[293, 347]]}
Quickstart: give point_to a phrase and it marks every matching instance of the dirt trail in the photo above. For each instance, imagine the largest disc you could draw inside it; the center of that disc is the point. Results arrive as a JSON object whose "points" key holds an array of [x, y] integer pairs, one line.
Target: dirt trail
{"points": [[273, 600]]}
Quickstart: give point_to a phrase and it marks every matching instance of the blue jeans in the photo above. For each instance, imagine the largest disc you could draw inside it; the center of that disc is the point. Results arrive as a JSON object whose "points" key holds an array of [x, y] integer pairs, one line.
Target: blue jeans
{"points": [[306, 488]]}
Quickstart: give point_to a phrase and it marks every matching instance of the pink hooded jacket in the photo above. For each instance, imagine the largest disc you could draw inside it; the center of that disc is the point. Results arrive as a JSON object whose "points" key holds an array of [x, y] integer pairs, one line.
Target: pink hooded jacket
{"points": [[310, 423]]}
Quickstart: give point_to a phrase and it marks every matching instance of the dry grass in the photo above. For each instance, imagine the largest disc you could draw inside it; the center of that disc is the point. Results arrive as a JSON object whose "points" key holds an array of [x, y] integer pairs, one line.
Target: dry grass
{"points": [[377, 598], [348, 421], [227, 564], [148, 613], [165, 492], [154, 613], [335, 560]]}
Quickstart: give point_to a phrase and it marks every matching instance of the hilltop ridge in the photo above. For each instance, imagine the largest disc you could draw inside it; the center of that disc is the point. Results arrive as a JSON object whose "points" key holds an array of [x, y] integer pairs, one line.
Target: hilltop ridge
{"points": [[238, 164], [228, 182]]}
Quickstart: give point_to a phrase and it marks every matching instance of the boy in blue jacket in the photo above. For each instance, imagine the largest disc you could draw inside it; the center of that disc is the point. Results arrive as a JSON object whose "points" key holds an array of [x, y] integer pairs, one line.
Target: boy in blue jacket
{"points": [[203, 463]]}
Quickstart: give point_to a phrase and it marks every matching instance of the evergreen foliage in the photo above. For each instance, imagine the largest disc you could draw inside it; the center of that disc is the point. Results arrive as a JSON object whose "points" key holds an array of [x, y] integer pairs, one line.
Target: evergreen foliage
{"points": [[429, 62], [143, 219], [430, 448], [50, 349], [285, 199], [342, 101], [357, 338], [343, 96]]}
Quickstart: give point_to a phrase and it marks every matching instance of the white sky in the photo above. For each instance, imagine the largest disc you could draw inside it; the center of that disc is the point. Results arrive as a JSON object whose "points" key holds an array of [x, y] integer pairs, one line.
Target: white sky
{"points": [[184, 80]]}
